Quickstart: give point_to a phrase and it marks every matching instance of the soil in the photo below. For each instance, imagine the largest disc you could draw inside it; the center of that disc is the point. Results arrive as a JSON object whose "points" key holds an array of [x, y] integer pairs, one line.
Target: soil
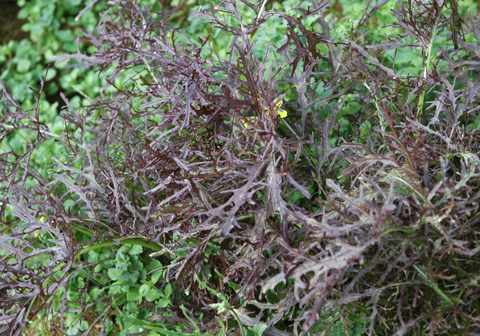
{"points": [[10, 25]]}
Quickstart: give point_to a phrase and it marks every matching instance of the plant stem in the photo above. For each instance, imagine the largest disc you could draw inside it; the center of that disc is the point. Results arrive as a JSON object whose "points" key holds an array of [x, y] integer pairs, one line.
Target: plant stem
{"points": [[258, 17], [426, 69], [306, 150], [434, 286]]}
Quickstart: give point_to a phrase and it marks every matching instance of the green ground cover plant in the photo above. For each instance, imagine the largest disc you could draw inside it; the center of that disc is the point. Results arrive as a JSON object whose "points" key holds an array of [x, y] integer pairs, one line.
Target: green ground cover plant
{"points": [[243, 168], [51, 29]]}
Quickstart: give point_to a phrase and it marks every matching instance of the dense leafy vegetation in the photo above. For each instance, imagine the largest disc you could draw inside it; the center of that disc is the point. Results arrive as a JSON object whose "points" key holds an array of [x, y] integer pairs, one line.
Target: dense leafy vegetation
{"points": [[242, 168]]}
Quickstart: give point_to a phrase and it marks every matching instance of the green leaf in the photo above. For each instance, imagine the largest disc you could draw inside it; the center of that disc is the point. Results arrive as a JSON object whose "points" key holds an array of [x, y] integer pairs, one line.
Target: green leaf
{"points": [[23, 65], [144, 289], [104, 253], [132, 294], [163, 303], [258, 329], [115, 289], [136, 249], [50, 75], [155, 264], [168, 290], [406, 57], [132, 307], [92, 257], [197, 329], [297, 195], [352, 108], [68, 203], [130, 276], [180, 252], [365, 128], [221, 307], [100, 306], [410, 70], [64, 35], [156, 275], [152, 295], [114, 274], [418, 62]]}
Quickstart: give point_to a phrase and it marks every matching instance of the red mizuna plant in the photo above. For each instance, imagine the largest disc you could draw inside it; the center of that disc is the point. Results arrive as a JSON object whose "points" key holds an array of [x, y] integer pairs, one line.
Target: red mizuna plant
{"points": [[268, 211]]}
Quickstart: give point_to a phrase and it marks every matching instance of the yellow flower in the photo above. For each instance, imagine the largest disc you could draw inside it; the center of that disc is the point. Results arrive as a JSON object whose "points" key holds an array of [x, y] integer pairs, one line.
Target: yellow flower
{"points": [[245, 123], [37, 232], [280, 112]]}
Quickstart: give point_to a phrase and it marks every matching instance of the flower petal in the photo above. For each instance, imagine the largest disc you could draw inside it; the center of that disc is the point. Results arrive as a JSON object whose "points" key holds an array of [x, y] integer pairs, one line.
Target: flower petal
{"points": [[245, 123], [282, 113]]}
